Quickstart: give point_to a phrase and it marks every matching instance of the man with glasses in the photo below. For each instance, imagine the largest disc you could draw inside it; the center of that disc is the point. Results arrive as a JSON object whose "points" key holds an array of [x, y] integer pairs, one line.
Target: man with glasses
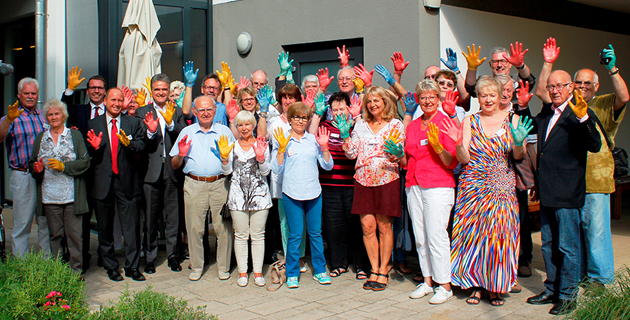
{"points": [[211, 87], [204, 186], [566, 132], [259, 79]]}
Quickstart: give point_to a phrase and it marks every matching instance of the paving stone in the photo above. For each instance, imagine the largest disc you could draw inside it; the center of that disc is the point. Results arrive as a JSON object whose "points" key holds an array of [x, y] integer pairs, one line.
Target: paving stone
{"points": [[276, 306]]}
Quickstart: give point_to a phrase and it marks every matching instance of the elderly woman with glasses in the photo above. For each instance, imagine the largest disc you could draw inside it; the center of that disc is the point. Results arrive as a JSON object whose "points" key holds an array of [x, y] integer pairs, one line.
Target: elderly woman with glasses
{"points": [[297, 154], [58, 162]]}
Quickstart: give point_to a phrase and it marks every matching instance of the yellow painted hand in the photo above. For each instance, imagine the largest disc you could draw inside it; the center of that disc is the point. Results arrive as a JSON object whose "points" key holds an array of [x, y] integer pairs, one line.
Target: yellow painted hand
{"points": [[581, 106], [223, 75], [168, 115], [147, 85], [55, 164], [473, 58], [123, 138], [434, 138], [14, 112], [394, 135], [224, 147], [283, 141], [358, 85], [73, 78], [141, 98]]}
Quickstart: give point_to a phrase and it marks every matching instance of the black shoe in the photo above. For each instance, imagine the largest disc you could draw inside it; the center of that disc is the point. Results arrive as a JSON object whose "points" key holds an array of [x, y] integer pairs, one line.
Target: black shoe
{"points": [[99, 262], [149, 268], [134, 274], [174, 264], [543, 298], [114, 275], [563, 307]]}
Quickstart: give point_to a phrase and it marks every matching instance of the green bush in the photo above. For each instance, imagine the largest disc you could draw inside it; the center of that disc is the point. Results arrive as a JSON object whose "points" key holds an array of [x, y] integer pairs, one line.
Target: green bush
{"points": [[149, 304], [25, 283], [610, 303]]}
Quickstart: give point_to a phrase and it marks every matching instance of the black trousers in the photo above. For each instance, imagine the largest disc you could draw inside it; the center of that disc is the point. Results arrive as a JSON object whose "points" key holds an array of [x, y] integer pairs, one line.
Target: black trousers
{"points": [[526, 228], [129, 221], [162, 196]]}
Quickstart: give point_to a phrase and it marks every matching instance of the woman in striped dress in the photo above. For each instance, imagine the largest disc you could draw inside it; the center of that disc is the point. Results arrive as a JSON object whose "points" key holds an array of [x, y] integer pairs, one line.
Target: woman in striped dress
{"points": [[485, 247]]}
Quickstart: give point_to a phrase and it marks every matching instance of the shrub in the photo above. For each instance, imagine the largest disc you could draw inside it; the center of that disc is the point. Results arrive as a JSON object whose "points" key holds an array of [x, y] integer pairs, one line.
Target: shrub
{"points": [[610, 303], [27, 284], [149, 304]]}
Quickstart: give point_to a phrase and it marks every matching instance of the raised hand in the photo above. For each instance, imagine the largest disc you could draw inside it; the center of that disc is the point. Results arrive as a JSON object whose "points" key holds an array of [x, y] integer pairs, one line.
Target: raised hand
{"points": [[364, 75], [451, 130], [14, 112], [150, 122], [343, 124], [450, 102], [385, 74], [141, 98], [522, 94], [259, 148], [324, 80], [355, 106], [244, 83], [231, 83], [434, 138], [283, 141], [411, 103], [232, 109], [39, 166], [394, 148], [73, 78], [451, 60], [54, 164], [344, 56], [610, 54], [122, 136], [550, 50], [580, 107], [223, 75], [399, 63], [284, 63], [147, 85], [516, 54], [290, 77], [128, 96], [264, 98], [472, 58], [94, 140], [168, 115], [189, 74], [394, 136], [522, 130], [323, 135], [320, 104], [358, 85], [184, 146], [180, 100], [310, 99], [224, 146]]}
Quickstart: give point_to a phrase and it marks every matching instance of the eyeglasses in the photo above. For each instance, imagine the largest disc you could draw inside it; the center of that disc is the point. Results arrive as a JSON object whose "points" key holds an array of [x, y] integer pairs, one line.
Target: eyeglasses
{"points": [[248, 99], [449, 84], [345, 79], [495, 62], [430, 99], [259, 84], [432, 77], [558, 87], [585, 83], [211, 88], [96, 88], [299, 119], [207, 110]]}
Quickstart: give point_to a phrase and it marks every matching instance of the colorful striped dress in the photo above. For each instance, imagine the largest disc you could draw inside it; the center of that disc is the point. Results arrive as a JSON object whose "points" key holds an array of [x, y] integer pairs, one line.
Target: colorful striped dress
{"points": [[485, 246]]}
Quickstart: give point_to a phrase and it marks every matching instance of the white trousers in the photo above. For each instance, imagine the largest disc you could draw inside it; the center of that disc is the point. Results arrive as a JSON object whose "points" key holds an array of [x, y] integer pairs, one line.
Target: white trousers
{"points": [[430, 210], [249, 225]]}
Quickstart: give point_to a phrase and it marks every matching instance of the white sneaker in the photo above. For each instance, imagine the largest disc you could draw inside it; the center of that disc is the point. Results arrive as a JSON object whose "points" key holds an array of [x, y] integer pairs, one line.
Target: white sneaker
{"points": [[441, 296], [260, 281], [242, 281], [422, 290]]}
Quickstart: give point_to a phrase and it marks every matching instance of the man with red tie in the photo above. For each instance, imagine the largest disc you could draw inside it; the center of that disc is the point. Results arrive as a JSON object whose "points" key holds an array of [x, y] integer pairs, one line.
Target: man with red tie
{"points": [[114, 141]]}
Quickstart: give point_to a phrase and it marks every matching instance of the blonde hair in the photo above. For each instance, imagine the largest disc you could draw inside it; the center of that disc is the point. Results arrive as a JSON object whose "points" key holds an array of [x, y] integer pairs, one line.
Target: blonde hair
{"points": [[389, 100], [243, 117], [489, 82], [428, 85]]}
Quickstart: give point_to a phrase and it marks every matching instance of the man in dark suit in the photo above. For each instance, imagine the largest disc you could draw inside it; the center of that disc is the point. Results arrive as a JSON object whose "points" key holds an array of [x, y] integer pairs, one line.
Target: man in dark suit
{"points": [[163, 186], [566, 131], [115, 140], [78, 116]]}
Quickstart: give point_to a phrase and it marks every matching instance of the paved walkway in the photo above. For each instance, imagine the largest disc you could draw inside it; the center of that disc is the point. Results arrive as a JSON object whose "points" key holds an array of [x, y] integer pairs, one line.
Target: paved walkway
{"points": [[343, 299]]}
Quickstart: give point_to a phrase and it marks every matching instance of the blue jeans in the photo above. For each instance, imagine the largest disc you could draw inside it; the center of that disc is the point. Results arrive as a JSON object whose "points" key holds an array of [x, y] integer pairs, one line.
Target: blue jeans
{"points": [[600, 262], [298, 212], [562, 250]]}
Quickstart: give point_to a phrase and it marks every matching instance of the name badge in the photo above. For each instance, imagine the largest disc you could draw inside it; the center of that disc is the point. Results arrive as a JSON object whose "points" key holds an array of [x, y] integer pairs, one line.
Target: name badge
{"points": [[46, 126], [500, 132], [291, 152], [373, 142], [334, 135], [424, 142]]}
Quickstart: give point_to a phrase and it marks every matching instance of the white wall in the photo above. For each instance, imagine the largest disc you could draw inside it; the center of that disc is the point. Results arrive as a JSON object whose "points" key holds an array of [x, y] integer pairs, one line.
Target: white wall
{"points": [[82, 37], [580, 47]]}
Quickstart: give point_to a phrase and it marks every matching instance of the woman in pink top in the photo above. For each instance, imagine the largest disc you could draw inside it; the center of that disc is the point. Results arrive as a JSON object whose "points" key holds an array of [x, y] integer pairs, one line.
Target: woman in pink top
{"points": [[430, 188]]}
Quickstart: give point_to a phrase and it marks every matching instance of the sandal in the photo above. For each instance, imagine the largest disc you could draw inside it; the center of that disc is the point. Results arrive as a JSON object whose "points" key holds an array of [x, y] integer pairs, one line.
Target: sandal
{"points": [[378, 286], [361, 275], [473, 299], [497, 301], [418, 277], [338, 271], [403, 268], [368, 285]]}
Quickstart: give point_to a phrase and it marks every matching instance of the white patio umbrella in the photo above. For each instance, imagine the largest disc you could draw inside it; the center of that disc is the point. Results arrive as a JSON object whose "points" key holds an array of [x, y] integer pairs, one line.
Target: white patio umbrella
{"points": [[140, 53]]}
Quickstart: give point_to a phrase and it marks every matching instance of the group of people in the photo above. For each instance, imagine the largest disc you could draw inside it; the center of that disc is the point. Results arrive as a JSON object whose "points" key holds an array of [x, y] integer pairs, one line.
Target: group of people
{"points": [[304, 163]]}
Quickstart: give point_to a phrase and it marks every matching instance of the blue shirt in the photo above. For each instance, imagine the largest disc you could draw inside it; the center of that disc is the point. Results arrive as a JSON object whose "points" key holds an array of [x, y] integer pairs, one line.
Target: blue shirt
{"points": [[300, 176], [200, 160]]}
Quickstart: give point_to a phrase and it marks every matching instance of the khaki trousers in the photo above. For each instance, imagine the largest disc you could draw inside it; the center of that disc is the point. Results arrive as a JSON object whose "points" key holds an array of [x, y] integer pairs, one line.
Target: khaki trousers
{"points": [[199, 196]]}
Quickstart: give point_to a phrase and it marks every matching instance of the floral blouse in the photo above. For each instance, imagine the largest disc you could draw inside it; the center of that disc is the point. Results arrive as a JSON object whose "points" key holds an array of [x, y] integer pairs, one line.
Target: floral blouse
{"points": [[375, 167], [57, 187]]}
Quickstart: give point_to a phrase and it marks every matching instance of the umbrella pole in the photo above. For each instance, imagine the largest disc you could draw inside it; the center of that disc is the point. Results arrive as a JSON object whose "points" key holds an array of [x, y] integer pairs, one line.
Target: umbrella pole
{"points": [[40, 24]]}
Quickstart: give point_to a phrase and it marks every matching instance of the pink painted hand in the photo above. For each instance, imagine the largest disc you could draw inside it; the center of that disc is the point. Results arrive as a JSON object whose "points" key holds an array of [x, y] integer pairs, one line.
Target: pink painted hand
{"points": [[324, 80], [323, 135], [150, 122], [184, 146], [232, 110], [451, 130], [259, 148], [94, 140], [450, 102], [344, 57], [516, 54], [309, 100], [364, 75], [550, 50], [39, 166], [523, 95], [355, 106], [244, 83], [399, 63]]}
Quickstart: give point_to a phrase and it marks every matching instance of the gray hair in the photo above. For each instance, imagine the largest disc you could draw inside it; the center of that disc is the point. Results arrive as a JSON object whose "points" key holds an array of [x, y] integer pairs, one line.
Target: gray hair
{"points": [[504, 79], [498, 50], [178, 85], [309, 78], [160, 77], [345, 68], [595, 75], [194, 103], [29, 81], [428, 85], [55, 103], [244, 116]]}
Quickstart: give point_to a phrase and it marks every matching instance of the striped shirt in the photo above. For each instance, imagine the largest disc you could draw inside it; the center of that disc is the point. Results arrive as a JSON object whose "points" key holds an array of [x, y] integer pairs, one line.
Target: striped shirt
{"points": [[342, 173], [21, 135]]}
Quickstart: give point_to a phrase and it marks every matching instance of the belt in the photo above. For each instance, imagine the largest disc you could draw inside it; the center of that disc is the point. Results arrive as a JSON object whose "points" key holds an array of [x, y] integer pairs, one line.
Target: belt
{"points": [[21, 169], [206, 179]]}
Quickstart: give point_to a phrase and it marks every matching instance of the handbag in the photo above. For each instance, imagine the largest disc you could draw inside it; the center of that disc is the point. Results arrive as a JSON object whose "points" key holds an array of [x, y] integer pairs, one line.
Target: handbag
{"points": [[225, 212], [278, 275]]}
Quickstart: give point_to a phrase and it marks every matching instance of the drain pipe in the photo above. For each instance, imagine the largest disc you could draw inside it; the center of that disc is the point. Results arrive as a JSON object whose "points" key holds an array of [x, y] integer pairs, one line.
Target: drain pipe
{"points": [[40, 27]]}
